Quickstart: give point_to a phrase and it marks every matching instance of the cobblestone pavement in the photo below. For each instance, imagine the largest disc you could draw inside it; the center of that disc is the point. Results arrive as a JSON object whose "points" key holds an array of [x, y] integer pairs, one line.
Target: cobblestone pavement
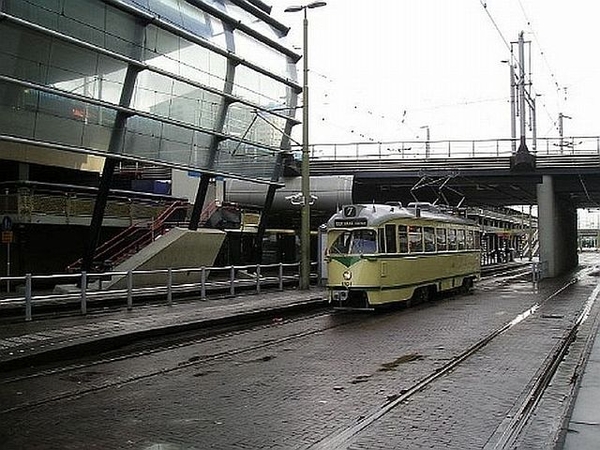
{"points": [[301, 381]]}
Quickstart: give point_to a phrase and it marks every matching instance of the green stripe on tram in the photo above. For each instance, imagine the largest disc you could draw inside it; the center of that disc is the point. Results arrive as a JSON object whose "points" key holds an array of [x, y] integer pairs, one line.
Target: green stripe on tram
{"points": [[346, 260]]}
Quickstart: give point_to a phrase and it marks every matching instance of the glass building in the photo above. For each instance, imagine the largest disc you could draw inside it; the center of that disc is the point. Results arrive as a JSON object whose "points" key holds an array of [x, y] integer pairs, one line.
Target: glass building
{"points": [[204, 85]]}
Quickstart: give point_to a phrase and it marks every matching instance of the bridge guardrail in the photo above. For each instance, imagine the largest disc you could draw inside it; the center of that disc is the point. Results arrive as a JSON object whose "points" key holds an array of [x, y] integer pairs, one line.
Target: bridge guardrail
{"points": [[420, 149]]}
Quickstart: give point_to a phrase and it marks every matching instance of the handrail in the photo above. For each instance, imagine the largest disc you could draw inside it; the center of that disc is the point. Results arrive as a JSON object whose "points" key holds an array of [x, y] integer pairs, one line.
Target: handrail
{"points": [[113, 243], [210, 279]]}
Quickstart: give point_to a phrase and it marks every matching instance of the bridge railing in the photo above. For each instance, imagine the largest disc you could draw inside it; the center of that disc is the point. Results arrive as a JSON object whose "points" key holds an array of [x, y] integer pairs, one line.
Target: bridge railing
{"points": [[419, 149]]}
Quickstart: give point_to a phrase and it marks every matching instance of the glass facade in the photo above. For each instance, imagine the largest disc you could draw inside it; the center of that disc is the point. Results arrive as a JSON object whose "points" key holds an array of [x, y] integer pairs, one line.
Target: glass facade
{"points": [[199, 84]]}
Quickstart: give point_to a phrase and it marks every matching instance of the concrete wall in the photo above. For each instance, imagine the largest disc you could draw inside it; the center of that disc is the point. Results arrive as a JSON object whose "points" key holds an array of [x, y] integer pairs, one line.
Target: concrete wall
{"points": [[178, 248], [51, 157]]}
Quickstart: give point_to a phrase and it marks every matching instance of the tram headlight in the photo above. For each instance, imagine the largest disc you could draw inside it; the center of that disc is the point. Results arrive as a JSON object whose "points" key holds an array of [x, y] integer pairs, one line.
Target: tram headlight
{"points": [[347, 275]]}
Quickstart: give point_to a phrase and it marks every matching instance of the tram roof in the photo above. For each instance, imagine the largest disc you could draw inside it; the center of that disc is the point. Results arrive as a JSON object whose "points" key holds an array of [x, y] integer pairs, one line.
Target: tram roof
{"points": [[352, 216]]}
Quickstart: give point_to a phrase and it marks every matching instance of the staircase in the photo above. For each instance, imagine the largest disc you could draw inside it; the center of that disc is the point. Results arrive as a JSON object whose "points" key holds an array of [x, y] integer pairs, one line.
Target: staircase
{"points": [[131, 240]]}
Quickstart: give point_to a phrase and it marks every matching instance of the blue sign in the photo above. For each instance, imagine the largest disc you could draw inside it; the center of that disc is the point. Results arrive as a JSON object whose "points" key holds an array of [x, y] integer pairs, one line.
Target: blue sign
{"points": [[6, 223]]}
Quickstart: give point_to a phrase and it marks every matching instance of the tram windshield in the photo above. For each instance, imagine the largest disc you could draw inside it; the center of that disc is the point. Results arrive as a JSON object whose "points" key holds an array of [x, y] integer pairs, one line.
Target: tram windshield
{"points": [[355, 241]]}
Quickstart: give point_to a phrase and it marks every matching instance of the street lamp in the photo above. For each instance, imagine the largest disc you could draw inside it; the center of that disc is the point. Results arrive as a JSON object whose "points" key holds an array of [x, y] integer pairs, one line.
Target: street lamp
{"points": [[305, 214], [426, 128]]}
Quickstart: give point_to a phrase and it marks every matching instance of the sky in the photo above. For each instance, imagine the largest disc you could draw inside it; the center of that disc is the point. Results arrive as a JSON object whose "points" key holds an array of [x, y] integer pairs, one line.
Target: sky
{"points": [[383, 70]]}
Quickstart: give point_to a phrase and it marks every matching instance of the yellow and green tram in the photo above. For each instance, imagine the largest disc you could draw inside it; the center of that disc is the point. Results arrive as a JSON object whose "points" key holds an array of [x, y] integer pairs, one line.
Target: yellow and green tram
{"points": [[379, 254]]}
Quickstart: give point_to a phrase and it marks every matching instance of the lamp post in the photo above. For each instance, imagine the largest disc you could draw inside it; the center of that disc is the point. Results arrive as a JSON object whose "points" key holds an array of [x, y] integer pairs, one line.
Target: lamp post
{"points": [[427, 147], [306, 198]]}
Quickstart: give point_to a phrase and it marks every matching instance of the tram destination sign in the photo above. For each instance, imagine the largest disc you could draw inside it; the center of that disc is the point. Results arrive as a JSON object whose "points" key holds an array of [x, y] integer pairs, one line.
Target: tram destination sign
{"points": [[349, 223]]}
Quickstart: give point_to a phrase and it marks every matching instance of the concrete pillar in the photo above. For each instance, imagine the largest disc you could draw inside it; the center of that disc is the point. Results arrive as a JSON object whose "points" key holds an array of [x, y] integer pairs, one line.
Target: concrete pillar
{"points": [[557, 225]]}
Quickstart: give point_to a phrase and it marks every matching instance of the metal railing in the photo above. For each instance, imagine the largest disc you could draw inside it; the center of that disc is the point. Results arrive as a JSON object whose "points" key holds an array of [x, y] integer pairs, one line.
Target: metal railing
{"points": [[199, 282], [34, 202], [420, 149]]}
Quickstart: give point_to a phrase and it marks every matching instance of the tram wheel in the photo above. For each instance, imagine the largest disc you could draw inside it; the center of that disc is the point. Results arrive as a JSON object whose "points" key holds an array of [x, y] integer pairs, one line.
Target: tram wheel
{"points": [[421, 295], [467, 286]]}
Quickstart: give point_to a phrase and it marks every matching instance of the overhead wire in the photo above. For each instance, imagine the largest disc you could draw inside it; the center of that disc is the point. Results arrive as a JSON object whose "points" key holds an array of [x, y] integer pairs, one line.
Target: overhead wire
{"points": [[534, 94]]}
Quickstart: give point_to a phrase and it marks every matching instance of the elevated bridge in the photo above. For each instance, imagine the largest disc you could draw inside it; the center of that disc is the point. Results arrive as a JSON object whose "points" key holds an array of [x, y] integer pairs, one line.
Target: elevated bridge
{"points": [[478, 171], [561, 175]]}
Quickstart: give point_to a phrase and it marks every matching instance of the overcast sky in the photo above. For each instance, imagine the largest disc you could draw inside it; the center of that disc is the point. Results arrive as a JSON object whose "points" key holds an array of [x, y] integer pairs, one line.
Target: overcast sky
{"points": [[382, 69]]}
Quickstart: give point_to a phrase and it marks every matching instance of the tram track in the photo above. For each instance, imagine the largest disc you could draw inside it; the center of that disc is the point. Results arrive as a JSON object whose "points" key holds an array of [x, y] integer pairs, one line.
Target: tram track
{"points": [[509, 430], [193, 361]]}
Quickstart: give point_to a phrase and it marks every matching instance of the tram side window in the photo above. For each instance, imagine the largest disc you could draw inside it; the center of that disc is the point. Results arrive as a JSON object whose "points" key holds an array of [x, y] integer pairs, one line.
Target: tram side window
{"points": [[470, 240], [415, 239], [390, 238], [452, 245], [461, 239], [477, 240], [381, 237], [440, 236], [429, 237], [403, 239]]}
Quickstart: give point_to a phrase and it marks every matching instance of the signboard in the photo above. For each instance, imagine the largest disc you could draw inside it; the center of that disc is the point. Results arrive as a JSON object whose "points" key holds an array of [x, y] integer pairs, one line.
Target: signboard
{"points": [[350, 223], [7, 237], [6, 223]]}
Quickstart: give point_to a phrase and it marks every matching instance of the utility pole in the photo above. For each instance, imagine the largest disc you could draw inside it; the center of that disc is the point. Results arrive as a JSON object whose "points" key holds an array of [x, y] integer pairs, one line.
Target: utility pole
{"points": [[522, 160], [522, 145], [513, 105], [561, 118]]}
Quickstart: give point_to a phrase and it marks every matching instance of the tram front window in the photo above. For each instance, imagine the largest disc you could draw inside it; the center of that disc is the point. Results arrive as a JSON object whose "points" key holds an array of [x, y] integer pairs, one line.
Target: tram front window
{"points": [[356, 241]]}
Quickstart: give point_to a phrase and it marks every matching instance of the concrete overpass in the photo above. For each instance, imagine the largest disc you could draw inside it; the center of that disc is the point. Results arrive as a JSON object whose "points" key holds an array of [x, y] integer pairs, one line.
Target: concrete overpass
{"points": [[565, 176]]}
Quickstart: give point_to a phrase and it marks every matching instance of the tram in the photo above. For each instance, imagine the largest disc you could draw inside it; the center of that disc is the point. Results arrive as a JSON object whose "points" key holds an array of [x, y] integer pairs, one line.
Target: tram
{"points": [[383, 253]]}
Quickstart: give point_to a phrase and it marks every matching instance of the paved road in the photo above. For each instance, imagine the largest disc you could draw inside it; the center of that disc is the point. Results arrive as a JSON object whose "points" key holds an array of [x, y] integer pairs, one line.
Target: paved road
{"points": [[299, 382]]}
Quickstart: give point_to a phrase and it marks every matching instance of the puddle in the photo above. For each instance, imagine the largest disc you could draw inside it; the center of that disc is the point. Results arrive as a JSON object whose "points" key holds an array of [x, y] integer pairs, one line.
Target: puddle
{"points": [[402, 360]]}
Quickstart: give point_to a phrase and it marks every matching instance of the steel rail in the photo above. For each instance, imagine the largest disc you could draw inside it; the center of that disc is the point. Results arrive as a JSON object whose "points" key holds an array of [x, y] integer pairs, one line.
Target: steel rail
{"points": [[341, 438], [78, 393]]}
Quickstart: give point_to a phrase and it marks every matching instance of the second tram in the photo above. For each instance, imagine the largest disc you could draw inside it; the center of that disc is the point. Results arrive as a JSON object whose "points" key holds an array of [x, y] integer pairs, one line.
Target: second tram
{"points": [[380, 254]]}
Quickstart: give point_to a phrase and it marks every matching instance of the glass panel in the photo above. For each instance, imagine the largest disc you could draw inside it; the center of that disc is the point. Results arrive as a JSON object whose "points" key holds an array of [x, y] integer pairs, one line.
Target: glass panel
{"points": [[429, 238], [260, 54], [477, 240], [240, 158], [415, 239], [16, 43], [341, 245], [59, 64], [86, 20], [440, 234], [402, 239], [33, 114], [452, 244], [181, 57], [364, 241], [470, 240], [248, 19], [257, 126], [461, 239], [390, 238], [165, 97], [260, 89], [41, 12]]}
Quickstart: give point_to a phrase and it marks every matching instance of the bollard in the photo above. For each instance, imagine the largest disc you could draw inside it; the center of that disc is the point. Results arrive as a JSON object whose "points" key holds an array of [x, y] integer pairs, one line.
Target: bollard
{"points": [[129, 290], [170, 287], [258, 278], [281, 276], [83, 293], [28, 297], [232, 281], [535, 272], [203, 283]]}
